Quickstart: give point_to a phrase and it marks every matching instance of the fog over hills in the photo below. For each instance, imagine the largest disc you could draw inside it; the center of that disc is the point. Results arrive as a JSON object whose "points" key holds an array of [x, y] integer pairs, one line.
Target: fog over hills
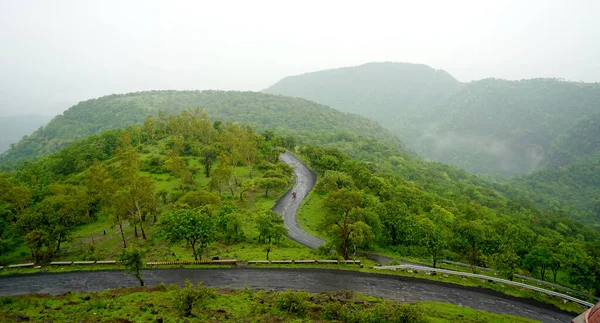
{"points": [[490, 126]]}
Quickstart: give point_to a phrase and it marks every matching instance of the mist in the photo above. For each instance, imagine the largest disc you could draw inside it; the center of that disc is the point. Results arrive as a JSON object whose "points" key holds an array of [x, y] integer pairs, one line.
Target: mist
{"points": [[56, 53]]}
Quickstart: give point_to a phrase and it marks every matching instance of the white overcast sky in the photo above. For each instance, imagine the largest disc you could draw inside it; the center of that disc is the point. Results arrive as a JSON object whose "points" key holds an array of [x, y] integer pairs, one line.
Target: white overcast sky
{"points": [[54, 53]]}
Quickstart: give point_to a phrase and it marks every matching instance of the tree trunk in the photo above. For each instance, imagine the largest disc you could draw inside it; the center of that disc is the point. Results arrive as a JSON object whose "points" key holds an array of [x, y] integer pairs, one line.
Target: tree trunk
{"points": [[154, 220], [140, 218], [193, 244], [135, 229], [207, 170], [543, 272], [434, 254], [122, 235], [554, 272], [250, 171], [267, 192], [268, 250], [58, 247], [142, 228]]}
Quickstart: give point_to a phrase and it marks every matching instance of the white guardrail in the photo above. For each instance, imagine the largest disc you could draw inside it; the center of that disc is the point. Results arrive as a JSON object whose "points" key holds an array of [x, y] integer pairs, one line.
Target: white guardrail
{"points": [[500, 280], [531, 279]]}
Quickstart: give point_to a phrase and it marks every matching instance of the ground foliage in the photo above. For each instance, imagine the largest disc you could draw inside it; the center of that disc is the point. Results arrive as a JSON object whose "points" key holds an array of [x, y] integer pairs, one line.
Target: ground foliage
{"points": [[172, 303]]}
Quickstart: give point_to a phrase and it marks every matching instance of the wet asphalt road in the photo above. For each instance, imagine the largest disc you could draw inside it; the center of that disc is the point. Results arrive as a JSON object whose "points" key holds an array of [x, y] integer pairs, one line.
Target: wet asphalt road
{"points": [[404, 289], [287, 206]]}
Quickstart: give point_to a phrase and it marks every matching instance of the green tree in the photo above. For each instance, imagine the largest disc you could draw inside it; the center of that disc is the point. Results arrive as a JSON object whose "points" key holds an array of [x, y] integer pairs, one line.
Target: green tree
{"points": [[36, 240], [539, 257], [270, 226], [473, 234], [197, 227], [133, 261], [433, 237], [339, 205], [249, 148], [221, 175], [179, 168], [271, 183], [245, 187], [231, 139], [208, 155], [360, 232]]}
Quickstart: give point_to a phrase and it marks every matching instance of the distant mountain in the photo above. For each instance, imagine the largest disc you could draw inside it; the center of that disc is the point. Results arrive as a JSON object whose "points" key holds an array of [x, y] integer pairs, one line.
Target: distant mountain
{"points": [[490, 126], [13, 128], [570, 173], [308, 121], [580, 141]]}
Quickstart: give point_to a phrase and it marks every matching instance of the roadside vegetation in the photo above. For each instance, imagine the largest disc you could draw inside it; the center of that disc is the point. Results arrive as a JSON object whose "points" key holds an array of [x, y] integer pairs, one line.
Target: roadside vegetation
{"points": [[198, 303]]}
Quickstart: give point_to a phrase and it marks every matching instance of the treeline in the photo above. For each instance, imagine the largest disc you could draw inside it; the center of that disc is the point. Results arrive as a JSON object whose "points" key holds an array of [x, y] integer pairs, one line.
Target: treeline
{"points": [[444, 213], [42, 203]]}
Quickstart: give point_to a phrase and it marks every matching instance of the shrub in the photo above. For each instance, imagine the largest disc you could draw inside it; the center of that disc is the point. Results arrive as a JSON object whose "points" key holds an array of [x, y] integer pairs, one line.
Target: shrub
{"points": [[400, 313], [293, 302], [185, 299]]}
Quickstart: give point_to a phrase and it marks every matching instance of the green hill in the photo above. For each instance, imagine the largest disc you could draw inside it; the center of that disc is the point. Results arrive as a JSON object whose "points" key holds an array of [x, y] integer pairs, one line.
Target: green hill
{"points": [[125, 187], [309, 122], [490, 126], [13, 128]]}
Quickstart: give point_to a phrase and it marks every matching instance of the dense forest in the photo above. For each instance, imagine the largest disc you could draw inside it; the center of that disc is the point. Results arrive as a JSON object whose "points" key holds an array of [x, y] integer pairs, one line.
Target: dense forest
{"points": [[489, 126], [309, 122], [219, 178]]}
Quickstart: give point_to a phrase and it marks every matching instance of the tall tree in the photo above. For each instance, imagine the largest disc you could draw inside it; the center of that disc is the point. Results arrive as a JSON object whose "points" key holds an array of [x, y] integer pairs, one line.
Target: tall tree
{"points": [[339, 205], [433, 238], [134, 196], [208, 155], [231, 139], [221, 175], [270, 226]]}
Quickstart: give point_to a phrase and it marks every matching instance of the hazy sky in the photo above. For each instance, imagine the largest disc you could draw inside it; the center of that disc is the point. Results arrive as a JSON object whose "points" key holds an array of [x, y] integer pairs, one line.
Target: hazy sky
{"points": [[54, 53]]}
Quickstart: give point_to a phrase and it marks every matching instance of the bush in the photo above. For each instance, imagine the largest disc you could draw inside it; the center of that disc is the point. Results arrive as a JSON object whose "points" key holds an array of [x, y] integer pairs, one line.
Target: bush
{"points": [[185, 299], [293, 302], [400, 313]]}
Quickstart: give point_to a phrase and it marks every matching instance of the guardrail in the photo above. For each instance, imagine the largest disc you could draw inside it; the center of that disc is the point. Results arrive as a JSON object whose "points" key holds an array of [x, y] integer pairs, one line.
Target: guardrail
{"points": [[531, 279], [500, 280]]}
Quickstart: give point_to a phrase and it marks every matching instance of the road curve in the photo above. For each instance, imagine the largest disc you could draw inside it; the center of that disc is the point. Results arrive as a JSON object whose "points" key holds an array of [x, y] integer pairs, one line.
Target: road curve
{"points": [[287, 206], [403, 289]]}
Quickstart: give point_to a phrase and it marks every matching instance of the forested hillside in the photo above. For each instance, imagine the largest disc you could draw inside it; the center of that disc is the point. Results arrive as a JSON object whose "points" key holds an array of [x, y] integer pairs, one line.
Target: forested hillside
{"points": [[490, 126], [131, 187], [307, 121], [13, 128]]}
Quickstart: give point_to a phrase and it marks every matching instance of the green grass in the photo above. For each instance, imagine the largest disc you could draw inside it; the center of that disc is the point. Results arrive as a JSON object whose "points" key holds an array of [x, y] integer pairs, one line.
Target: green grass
{"points": [[226, 305], [311, 214]]}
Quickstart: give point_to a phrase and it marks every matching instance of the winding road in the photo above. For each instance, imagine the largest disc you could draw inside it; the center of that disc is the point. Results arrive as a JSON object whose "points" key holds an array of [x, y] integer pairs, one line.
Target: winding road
{"points": [[287, 206], [404, 289]]}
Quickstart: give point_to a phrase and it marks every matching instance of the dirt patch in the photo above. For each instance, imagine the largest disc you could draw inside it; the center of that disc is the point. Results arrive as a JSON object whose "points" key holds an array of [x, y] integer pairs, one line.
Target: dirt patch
{"points": [[226, 291]]}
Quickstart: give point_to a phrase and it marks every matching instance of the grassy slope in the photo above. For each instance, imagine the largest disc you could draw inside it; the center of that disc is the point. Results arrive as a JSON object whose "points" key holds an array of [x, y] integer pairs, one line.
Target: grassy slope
{"points": [[143, 304]]}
